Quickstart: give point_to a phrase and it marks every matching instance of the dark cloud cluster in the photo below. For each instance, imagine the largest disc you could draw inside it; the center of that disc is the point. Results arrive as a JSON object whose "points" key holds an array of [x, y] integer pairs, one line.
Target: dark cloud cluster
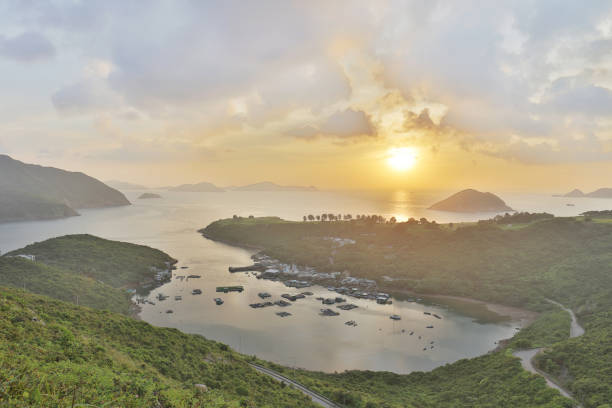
{"points": [[27, 47]]}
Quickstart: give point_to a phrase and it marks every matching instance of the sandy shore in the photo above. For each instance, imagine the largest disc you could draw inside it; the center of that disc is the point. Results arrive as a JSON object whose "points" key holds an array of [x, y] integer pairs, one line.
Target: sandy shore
{"points": [[522, 317]]}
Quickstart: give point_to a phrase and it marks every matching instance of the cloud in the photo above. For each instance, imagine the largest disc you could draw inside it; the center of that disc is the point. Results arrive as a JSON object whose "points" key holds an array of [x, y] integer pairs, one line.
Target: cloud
{"points": [[85, 96], [343, 124], [27, 47]]}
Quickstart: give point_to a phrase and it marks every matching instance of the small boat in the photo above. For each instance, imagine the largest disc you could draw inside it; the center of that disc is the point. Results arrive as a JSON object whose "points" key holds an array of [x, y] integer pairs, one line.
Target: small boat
{"points": [[264, 295], [430, 327], [427, 313], [196, 292], [411, 333], [436, 316], [178, 298], [194, 277], [395, 317], [283, 314], [226, 289], [169, 311], [184, 267], [218, 301]]}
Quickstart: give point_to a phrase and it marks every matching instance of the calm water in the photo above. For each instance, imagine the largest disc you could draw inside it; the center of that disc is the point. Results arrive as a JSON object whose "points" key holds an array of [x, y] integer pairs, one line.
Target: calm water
{"points": [[304, 339]]}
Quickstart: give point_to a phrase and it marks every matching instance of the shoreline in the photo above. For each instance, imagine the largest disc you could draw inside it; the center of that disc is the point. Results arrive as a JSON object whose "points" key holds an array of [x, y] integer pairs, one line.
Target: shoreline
{"points": [[493, 312], [523, 317]]}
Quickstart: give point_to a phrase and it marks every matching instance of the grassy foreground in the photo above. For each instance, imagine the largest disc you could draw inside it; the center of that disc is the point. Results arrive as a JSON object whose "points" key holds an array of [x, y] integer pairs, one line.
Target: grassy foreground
{"points": [[565, 259], [55, 354]]}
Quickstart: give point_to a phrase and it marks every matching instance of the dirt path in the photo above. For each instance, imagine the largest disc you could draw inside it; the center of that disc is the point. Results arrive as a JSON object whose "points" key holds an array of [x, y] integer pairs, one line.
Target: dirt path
{"points": [[527, 356]]}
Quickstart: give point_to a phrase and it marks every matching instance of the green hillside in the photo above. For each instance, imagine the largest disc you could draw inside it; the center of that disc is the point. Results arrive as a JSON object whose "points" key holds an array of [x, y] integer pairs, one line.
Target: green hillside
{"points": [[58, 283], [55, 354], [115, 263]]}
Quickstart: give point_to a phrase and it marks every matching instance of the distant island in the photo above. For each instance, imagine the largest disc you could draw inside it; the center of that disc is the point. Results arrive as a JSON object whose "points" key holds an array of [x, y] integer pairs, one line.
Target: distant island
{"points": [[146, 196], [471, 201], [203, 187], [124, 185], [32, 192], [599, 193], [269, 186]]}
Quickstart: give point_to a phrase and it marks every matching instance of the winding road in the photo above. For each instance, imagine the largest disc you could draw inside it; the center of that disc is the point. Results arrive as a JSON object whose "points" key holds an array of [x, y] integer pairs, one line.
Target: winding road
{"points": [[527, 356], [315, 397]]}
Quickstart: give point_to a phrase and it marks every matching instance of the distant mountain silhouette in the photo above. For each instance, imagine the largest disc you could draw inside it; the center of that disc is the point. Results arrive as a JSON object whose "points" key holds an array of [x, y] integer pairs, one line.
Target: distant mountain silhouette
{"points": [[599, 193], [124, 185], [202, 187], [470, 201], [574, 193], [269, 186], [32, 192]]}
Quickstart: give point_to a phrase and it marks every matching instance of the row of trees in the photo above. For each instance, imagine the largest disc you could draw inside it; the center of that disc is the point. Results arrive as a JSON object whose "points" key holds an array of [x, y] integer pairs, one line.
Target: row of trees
{"points": [[372, 219]]}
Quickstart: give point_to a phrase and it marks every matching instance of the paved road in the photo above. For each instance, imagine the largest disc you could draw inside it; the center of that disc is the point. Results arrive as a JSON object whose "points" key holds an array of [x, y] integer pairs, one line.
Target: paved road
{"points": [[316, 398], [527, 356]]}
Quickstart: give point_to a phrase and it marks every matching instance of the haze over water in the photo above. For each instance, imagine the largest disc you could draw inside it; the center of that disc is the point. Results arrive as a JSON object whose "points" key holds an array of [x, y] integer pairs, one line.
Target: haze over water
{"points": [[304, 339]]}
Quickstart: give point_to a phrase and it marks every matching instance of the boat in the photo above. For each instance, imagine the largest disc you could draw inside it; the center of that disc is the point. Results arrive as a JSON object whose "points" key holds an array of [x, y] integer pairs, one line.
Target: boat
{"points": [[351, 323], [178, 298], [161, 297], [429, 327], [196, 292], [184, 267], [169, 311], [218, 301], [226, 289], [427, 313], [411, 333], [436, 316], [264, 295], [283, 314], [282, 303], [395, 317], [194, 277], [328, 312]]}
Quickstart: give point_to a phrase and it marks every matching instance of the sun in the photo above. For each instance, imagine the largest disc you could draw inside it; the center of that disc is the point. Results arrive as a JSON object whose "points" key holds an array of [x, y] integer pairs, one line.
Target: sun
{"points": [[401, 158]]}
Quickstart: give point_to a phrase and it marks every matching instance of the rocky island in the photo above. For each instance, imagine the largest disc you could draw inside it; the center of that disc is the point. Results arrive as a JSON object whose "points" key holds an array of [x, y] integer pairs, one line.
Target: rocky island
{"points": [[146, 196], [471, 201]]}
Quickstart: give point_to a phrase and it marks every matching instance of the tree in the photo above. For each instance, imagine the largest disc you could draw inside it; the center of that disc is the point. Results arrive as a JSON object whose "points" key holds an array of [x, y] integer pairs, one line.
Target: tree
{"points": [[311, 217], [392, 220], [305, 218], [323, 217], [318, 217]]}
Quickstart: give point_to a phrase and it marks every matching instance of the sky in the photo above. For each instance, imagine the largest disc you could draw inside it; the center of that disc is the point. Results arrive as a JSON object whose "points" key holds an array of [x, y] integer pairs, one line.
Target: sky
{"points": [[503, 96]]}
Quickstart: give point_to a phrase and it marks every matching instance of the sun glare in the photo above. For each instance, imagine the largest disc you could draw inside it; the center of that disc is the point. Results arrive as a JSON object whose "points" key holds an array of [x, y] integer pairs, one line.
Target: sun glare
{"points": [[401, 158]]}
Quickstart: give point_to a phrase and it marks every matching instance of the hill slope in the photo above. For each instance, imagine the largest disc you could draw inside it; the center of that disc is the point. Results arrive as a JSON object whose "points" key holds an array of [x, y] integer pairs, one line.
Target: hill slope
{"points": [[115, 263], [32, 192], [58, 283], [54, 354], [471, 201]]}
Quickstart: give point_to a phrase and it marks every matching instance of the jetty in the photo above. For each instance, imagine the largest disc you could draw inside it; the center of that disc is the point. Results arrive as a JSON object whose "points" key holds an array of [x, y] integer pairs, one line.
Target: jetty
{"points": [[255, 267]]}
